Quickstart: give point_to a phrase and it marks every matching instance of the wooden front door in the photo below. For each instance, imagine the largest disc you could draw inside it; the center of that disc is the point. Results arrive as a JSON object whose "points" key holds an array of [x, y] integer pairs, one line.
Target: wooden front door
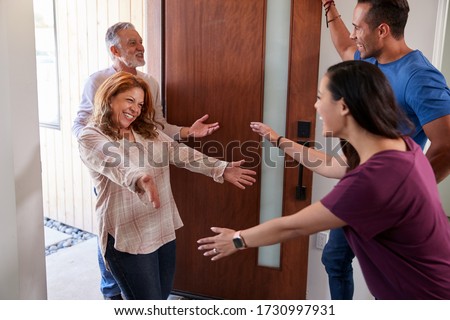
{"points": [[214, 64]]}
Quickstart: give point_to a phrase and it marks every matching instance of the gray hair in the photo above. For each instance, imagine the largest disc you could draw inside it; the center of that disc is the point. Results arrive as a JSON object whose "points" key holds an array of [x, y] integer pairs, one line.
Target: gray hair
{"points": [[112, 38]]}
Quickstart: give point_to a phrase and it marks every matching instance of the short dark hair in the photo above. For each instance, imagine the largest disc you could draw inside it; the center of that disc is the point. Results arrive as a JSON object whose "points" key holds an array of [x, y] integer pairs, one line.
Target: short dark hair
{"points": [[392, 12]]}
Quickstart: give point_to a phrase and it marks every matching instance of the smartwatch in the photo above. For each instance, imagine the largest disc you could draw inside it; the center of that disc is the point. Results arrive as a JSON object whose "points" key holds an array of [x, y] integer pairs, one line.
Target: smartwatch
{"points": [[238, 241]]}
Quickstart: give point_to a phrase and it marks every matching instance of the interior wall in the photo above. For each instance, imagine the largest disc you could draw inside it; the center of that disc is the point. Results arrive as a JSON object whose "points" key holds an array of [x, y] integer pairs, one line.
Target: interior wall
{"points": [[444, 186], [22, 267], [9, 268], [419, 34], [445, 68]]}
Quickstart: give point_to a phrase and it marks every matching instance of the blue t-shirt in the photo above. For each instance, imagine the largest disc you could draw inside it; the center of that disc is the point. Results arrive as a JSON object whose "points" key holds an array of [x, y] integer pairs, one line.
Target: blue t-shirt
{"points": [[396, 225], [420, 89]]}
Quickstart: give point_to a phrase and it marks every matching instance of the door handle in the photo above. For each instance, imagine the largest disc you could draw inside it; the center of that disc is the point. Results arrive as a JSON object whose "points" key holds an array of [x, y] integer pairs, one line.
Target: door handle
{"points": [[303, 131], [300, 190]]}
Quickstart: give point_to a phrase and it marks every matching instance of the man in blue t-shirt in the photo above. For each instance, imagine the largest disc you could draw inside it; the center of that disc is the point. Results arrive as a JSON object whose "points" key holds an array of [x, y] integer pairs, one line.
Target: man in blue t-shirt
{"points": [[420, 89]]}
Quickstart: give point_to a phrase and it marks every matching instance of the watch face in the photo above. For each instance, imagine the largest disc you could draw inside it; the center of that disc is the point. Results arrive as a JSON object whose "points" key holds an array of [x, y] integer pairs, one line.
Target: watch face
{"points": [[238, 243]]}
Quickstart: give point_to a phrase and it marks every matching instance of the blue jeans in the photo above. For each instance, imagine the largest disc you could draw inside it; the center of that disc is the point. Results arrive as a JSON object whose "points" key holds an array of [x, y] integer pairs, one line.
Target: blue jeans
{"points": [[143, 276], [337, 258], [108, 285]]}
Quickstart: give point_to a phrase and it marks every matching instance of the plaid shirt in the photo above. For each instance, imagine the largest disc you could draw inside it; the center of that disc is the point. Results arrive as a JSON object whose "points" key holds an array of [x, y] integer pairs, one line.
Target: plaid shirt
{"points": [[116, 166]]}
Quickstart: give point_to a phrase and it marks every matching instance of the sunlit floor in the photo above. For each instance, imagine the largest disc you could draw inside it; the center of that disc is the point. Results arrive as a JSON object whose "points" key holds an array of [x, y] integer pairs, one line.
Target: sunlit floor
{"points": [[73, 272]]}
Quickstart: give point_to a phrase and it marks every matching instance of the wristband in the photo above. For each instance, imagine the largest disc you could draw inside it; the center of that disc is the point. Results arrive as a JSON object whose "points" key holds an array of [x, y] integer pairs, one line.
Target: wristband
{"points": [[330, 2], [278, 141]]}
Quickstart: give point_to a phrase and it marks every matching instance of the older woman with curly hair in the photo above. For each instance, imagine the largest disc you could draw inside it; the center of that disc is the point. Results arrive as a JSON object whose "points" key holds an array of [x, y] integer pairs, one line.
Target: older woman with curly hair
{"points": [[128, 159]]}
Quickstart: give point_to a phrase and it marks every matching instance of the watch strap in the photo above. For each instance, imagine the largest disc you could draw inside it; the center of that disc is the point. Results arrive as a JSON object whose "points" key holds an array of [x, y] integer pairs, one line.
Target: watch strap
{"points": [[237, 238]]}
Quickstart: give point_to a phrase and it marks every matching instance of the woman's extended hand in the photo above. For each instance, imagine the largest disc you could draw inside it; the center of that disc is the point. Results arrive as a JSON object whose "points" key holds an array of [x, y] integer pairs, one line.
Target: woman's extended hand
{"points": [[147, 185], [239, 176], [265, 131], [218, 246]]}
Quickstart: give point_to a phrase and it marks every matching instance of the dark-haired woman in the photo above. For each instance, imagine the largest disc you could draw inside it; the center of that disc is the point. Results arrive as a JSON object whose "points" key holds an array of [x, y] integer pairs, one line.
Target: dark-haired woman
{"points": [[387, 199]]}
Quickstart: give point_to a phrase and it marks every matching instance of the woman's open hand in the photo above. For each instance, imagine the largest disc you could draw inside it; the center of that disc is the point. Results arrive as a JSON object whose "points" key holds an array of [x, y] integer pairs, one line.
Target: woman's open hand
{"points": [[238, 176], [218, 246], [264, 131], [147, 185]]}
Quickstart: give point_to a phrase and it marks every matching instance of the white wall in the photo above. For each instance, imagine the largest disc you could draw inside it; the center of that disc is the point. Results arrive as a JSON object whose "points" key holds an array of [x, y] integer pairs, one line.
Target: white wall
{"points": [[444, 186], [22, 266], [419, 34]]}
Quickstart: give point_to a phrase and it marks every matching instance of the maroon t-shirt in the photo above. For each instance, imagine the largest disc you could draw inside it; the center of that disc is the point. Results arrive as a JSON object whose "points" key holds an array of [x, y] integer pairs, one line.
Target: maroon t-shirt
{"points": [[397, 227]]}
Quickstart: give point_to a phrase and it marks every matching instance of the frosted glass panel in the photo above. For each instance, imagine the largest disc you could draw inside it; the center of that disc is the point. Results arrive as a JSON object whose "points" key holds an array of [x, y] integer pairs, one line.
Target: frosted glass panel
{"points": [[275, 100]]}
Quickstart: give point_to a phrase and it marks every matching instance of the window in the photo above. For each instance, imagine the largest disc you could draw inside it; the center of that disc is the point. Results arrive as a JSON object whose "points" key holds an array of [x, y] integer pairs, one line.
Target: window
{"points": [[46, 63]]}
